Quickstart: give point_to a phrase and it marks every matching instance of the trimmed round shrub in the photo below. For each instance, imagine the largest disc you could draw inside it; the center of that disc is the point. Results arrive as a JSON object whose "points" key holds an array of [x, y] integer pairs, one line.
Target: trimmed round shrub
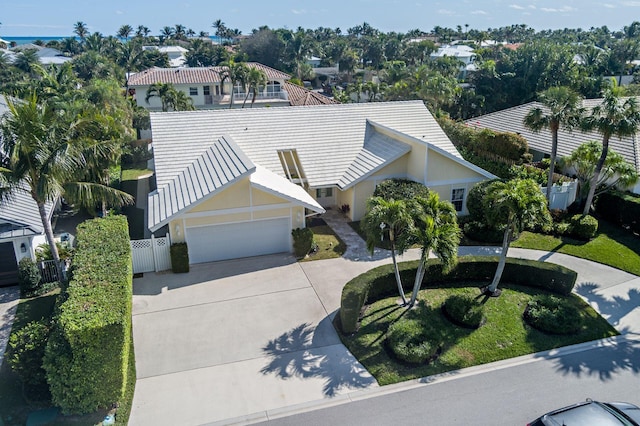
{"points": [[26, 350], [29, 277], [583, 227], [400, 189], [553, 314], [479, 231], [303, 242], [410, 341], [464, 310]]}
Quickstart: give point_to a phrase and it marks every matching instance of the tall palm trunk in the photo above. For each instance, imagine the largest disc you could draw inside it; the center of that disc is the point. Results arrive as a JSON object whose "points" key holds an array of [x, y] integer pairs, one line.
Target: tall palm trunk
{"points": [[596, 174], [419, 277], [503, 259], [552, 161], [48, 232], [397, 271]]}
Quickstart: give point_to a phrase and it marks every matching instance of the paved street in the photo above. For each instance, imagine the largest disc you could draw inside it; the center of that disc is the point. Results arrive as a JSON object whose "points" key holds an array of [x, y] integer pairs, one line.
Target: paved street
{"points": [[506, 393]]}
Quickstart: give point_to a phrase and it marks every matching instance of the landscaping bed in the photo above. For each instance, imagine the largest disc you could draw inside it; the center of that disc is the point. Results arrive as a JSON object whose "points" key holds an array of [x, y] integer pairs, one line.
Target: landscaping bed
{"points": [[504, 335]]}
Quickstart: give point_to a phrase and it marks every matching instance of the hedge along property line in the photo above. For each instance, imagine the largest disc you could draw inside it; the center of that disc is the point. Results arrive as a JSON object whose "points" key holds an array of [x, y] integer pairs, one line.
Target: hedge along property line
{"points": [[620, 207], [86, 358], [380, 282]]}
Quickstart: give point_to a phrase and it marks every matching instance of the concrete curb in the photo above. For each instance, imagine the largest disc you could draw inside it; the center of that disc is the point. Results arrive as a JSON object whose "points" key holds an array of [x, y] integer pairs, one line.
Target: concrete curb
{"points": [[362, 394]]}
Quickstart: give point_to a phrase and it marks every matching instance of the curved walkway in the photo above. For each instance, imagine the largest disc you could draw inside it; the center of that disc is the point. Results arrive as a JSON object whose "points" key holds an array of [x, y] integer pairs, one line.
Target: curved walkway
{"points": [[615, 294]]}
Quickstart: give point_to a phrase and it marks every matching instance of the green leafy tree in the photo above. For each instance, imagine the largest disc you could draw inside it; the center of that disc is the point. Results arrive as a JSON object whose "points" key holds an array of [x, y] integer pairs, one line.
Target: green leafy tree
{"points": [[562, 109], [125, 31], [389, 217], [256, 79], [435, 229], [80, 29], [514, 205], [42, 151], [615, 116], [616, 171], [236, 73], [171, 99]]}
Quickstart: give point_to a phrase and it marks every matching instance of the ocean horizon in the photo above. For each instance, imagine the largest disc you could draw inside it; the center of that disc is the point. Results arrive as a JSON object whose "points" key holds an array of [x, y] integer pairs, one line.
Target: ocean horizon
{"points": [[19, 40]]}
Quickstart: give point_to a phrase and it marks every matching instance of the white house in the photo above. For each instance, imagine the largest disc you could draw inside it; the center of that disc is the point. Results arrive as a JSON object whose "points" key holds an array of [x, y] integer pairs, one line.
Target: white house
{"points": [[235, 182], [462, 53], [176, 54]]}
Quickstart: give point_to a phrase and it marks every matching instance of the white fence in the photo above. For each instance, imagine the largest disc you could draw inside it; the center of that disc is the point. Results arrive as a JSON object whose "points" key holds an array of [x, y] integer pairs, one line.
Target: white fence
{"points": [[151, 255], [562, 195]]}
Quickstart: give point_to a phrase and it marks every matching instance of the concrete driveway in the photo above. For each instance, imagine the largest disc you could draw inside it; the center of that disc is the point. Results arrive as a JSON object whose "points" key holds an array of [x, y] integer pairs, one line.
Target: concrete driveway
{"points": [[235, 338]]}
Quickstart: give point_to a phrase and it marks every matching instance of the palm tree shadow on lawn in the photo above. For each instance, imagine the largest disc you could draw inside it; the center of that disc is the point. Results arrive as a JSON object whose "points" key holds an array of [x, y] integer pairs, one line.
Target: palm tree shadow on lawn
{"points": [[299, 353]]}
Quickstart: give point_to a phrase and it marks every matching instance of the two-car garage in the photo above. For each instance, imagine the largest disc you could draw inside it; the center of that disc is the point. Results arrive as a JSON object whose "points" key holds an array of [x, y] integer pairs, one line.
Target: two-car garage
{"points": [[241, 239]]}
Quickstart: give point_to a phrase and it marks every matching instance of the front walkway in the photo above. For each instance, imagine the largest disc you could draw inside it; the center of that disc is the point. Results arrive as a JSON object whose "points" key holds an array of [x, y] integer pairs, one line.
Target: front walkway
{"points": [[9, 299]]}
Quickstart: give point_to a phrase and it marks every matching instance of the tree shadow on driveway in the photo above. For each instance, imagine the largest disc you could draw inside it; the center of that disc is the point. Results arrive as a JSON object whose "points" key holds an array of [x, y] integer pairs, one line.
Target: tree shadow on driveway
{"points": [[611, 358], [614, 308], [297, 353]]}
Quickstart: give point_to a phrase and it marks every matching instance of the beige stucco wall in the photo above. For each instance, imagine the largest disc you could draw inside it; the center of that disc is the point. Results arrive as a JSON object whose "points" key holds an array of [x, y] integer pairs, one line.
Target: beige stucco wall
{"points": [[253, 205], [441, 168]]}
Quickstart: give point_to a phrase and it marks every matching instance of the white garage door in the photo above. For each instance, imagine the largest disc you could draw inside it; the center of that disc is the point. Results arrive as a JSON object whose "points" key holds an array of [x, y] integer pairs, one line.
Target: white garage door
{"points": [[234, 240]]}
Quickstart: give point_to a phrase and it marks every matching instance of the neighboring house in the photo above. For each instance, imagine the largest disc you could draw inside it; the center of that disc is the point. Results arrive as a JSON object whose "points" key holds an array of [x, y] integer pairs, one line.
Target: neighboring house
{"points": [[511, 120], [46, 55], [461, 52], [234, 183], [204, 85], [176, 54]]}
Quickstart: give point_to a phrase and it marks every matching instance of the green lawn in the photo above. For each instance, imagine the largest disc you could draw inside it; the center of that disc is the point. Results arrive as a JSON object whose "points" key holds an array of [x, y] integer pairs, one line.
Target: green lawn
{"points": [[612, 246], [505, 335], [134, 170], [329, 245]]}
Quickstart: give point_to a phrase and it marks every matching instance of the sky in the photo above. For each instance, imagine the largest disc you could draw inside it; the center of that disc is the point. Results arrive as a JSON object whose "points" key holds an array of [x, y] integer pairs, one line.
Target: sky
{"points": [[57, 18]]}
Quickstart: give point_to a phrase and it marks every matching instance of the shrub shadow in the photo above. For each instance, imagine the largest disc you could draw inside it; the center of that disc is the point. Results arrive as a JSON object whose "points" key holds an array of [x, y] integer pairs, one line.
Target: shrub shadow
{"points": [[302, 353]]}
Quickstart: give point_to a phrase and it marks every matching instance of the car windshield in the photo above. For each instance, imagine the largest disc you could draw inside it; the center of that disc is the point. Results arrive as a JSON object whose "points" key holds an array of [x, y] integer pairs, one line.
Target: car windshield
{"points": [[587, 414]]}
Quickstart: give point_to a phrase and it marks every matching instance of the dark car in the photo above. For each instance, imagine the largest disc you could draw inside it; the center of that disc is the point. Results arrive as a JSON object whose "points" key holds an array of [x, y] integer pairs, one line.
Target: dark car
{"points": [[592, 413]]}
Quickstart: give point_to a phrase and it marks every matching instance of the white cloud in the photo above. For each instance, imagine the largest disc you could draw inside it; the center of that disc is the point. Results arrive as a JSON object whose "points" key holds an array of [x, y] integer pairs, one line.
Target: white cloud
{"points": [[479, 12], [446, 12], [516, 6], [298, 11], [631, 3], [563, 9], [609, 5], [119, 12]]}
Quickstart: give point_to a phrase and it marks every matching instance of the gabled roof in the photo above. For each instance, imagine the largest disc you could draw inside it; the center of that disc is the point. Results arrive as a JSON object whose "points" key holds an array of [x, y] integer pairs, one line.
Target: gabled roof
{"points": [[184, 186], [270, 182], [19, 216], [511, 120], [327, 138], [300, 96], [378, 151], [195, 75]]}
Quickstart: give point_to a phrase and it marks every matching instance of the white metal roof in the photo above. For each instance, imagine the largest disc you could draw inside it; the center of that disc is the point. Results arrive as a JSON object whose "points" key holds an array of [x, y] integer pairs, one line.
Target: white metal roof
{"points": [[511, 120], [270, 182], [327, 138], [213, 170], [19, 216]]}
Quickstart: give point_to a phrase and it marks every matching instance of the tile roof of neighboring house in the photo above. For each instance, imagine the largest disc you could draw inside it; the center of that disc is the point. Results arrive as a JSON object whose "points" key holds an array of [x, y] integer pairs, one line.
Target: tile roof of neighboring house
{"points": [[511, 120], [200, 75], [327, 138], [299, 96], [195, 75]]}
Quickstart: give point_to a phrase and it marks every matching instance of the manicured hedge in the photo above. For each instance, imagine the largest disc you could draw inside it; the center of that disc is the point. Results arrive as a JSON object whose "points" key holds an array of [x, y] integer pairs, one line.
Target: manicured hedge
{"points": [[179, 258], [380, 282], [86, 358], [620, 207]]}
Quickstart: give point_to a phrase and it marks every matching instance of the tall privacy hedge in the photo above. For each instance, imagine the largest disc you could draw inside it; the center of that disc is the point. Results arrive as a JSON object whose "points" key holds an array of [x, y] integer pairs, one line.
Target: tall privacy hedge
{"points": [[380, 282], [622, 208], [86, 359]]}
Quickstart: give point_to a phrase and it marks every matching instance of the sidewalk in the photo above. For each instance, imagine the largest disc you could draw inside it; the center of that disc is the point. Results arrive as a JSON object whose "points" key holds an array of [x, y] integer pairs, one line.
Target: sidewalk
{"points": [[9, 298]]}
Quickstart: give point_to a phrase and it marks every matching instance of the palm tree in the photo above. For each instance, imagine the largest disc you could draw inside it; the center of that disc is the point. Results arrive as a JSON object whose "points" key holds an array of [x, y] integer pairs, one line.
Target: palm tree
{"points": [[615, 116], [42, 152], [256, 79], [125, 31], [392, 217], [562, 110], [27, 60], [80, 29], [435, 229], [515, 205], [142, 31], [235, 72], [180, 32], [170, 98]]}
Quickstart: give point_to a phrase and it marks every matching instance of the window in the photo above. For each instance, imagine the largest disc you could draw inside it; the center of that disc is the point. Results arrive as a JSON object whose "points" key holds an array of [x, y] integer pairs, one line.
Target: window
{"points": [[193, 91], [273, 88], [324, 192], [457, 198], [206, 90]]}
